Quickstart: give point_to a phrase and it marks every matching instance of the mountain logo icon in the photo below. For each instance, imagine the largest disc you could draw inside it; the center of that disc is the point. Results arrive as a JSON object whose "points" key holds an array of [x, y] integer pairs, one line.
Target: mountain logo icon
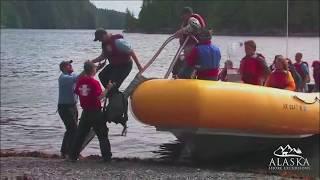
{"points": [[287, 151]]}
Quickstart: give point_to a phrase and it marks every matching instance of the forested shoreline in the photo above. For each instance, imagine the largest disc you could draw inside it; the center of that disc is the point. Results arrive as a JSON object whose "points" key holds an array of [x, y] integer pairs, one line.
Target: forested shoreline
{"points": [[233, 17], [58, 14]]}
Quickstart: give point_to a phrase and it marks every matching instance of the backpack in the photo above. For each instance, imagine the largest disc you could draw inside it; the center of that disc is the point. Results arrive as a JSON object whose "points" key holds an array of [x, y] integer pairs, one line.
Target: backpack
{"points": [[117, 110], [299, 69], [308, 75]]}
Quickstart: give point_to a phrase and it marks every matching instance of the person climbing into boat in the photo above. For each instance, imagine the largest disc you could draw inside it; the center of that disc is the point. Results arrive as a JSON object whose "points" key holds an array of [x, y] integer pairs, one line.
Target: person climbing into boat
{"points": [[191, 24], [119, 54], [89, 91], [316, 75], [281, 77], [67, 105], [303, 69], [253, 67], [204, 57], [296, 76], [224, 72]]}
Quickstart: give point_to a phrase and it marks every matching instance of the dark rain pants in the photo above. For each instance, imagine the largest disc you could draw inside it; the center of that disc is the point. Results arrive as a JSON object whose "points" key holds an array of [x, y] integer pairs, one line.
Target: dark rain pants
{"points": [[92, 119], [69, 116], [116, 73]]}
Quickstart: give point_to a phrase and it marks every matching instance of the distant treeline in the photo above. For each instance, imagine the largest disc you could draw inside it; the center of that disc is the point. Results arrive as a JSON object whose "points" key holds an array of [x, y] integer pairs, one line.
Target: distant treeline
{"points": [[251, 17], [58, 14]]}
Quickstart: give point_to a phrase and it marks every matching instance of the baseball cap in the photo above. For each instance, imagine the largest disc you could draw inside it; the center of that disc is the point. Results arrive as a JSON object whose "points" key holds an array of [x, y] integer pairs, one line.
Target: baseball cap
{"points": [[99, 34], [64, 63]]}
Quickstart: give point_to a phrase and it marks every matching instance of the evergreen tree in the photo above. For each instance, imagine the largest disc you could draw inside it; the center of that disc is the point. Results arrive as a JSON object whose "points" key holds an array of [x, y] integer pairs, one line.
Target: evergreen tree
{"points": [[234, 16], [44, 14]]}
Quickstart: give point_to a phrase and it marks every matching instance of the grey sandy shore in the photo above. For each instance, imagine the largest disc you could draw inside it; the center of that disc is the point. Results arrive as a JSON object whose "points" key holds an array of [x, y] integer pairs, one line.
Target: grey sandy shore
{"points": [[55, 168]]}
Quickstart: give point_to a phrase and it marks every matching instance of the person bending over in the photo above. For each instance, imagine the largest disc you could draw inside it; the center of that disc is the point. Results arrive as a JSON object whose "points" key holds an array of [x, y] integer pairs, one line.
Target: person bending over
{"points": [[90, 93]]}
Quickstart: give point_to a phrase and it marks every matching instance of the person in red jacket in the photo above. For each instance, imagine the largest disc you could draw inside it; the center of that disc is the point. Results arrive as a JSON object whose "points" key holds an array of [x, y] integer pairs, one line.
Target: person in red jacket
{"points": [[253, 67], [192, 23], [204, 57], [89, 91], [281, 77], [316, 75]]}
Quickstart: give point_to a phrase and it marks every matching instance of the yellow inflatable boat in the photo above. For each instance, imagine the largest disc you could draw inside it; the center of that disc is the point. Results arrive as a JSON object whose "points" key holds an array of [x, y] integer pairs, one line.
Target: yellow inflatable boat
{"points": [[225, 108]]}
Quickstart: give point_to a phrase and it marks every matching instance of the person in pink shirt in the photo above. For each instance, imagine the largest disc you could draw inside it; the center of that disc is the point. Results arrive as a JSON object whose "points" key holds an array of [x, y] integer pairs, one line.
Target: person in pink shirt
{"points": [[89, 91]]}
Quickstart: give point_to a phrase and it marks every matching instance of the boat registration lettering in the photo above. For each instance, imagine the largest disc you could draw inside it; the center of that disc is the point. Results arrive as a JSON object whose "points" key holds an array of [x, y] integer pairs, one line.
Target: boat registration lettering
{"points": [[292, 107]]}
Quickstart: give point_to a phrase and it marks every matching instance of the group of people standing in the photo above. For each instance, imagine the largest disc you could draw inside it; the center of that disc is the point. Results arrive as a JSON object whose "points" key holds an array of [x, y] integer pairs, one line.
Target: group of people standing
{"points": [[282, 74], [201, 60], [88, 89], [203, 57]]}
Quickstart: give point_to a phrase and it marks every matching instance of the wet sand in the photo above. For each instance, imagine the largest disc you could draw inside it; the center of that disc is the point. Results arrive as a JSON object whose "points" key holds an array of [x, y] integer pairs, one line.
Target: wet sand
{"points": [[36, 165]]}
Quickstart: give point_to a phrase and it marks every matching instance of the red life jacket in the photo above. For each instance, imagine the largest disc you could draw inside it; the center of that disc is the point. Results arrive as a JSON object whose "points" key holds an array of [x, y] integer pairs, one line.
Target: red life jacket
{"points": [[251, 69], [316, 72], [298, 67], [316, 76], [111, 51], [279, 79]]}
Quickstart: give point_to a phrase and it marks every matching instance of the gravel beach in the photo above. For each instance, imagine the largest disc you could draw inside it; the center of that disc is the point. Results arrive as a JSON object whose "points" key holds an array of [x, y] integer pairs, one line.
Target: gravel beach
{"points": [[42, 166]]}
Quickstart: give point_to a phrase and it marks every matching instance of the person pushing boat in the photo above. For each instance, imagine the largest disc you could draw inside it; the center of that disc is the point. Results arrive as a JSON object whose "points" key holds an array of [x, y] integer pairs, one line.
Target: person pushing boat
{"points": [[90, 93]]}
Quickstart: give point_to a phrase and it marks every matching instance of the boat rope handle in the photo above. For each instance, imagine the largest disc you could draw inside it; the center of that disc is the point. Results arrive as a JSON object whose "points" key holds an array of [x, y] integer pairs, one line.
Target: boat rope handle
{"points": [[151, 61], [304, 101], [139, 78], [178, 54], [176, 57], [156, 55]]}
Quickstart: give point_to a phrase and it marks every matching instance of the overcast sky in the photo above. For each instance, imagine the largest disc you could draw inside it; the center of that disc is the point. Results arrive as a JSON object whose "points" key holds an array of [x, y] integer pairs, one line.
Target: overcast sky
{"points": [[119, 5]]}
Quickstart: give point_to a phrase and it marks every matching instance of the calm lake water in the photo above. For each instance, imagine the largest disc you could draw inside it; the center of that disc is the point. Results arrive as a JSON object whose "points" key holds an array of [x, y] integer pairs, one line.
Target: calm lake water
{"points": [[29, 84]]}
